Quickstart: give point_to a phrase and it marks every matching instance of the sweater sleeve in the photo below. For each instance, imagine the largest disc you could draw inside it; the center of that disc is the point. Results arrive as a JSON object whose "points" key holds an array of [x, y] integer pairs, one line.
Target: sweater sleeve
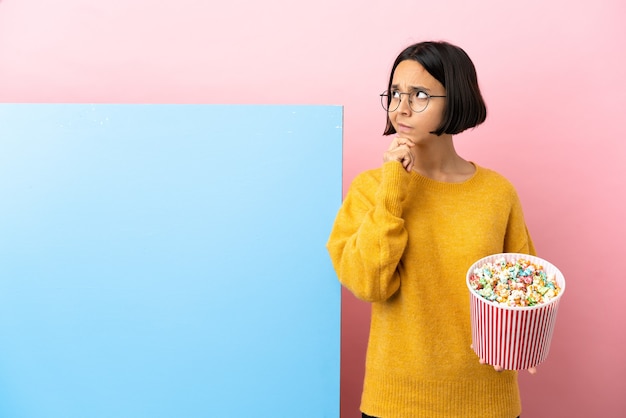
{"points": [[368, 237], [517, 239]]}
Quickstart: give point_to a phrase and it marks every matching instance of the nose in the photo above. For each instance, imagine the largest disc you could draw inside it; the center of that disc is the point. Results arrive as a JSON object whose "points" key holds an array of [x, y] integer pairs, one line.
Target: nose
{"points": [[404, 106]]}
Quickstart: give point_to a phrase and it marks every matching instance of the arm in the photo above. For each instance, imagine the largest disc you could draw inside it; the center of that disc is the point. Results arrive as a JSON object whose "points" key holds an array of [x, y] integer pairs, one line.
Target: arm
{"points": [[517, 239], [368, 237]]}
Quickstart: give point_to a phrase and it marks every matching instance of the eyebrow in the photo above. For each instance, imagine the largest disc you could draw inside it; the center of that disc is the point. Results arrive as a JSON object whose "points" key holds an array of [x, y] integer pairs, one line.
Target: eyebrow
{"points": [[396, 87]]}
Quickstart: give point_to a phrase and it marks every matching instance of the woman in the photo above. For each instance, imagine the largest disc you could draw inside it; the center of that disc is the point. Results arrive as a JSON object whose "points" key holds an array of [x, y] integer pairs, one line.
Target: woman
{"points": [[408, 231]]}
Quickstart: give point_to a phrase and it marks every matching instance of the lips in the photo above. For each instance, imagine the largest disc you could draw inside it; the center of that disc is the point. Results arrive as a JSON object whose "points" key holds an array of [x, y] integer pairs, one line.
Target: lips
{"points": [[403, 128]]}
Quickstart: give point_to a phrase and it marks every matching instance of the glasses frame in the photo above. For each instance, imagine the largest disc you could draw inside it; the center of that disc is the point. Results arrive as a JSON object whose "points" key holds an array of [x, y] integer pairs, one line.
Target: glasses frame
{"points": [[385, 97]]}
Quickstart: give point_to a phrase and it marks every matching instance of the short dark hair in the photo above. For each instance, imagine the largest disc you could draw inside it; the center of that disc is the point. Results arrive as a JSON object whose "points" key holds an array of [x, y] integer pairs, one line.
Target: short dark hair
{"points": [[452, 67]]}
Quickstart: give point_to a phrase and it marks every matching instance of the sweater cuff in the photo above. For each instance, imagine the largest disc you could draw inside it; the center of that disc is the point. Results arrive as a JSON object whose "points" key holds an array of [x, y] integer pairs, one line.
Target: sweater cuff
{"points": [[393, 187]]}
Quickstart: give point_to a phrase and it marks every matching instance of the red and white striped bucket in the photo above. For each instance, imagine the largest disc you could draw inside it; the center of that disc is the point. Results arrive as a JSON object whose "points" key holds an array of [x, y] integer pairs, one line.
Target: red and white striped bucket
{"points": [[513, 337]]}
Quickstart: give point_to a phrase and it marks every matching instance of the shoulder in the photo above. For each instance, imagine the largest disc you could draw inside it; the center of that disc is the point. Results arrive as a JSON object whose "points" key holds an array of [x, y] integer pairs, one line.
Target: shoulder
{"points": [[490, 178]]}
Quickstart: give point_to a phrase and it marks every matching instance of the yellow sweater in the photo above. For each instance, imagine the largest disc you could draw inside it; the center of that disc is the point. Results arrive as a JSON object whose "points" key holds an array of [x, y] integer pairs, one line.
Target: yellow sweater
{"points": [[404, 242]]}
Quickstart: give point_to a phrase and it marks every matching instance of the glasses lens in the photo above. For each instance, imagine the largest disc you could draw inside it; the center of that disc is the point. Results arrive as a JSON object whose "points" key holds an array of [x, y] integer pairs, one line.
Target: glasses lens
{"points": [[419, 101], [385, 101], [390, 100]]}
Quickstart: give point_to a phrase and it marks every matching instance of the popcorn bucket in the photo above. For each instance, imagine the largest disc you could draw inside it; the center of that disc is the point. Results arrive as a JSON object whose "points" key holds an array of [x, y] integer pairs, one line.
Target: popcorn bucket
{"points": [[514, 337]]}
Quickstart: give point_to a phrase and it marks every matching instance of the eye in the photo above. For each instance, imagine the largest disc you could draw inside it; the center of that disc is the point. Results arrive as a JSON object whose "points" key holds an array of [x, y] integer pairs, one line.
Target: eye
{"points": [[395, 94], [420, 95]]}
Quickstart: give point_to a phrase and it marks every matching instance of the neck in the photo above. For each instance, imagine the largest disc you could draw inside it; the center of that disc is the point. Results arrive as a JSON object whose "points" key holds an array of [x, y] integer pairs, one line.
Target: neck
{"points": [[439, 161]]}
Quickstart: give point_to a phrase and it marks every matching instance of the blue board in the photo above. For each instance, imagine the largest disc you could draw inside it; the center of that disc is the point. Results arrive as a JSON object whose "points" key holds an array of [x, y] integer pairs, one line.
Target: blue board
{"points": [[168, 261]]}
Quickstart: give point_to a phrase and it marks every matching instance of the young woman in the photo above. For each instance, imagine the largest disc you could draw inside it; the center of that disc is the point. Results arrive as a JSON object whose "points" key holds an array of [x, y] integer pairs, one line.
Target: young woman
{"points": [[408, 231]]}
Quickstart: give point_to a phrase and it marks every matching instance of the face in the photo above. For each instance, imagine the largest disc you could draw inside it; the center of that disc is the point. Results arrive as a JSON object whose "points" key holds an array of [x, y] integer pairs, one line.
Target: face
{"points": [[410, 76]]}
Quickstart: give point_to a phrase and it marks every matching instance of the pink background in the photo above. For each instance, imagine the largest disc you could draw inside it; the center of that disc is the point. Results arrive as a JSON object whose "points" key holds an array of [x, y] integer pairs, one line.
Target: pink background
{"points": [[553, 75]]}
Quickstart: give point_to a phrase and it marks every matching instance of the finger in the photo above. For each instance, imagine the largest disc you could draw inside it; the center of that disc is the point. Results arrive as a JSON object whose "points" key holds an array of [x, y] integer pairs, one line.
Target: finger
{"points": [[407, 161], [395, 143], [409, 166], [404, 141], [532, 370], [399, 153], [495, 367], [395, 155]]}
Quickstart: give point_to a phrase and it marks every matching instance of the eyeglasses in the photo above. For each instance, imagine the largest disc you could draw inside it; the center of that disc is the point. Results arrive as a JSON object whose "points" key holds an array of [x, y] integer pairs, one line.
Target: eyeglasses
{"points": [[418, 100]]}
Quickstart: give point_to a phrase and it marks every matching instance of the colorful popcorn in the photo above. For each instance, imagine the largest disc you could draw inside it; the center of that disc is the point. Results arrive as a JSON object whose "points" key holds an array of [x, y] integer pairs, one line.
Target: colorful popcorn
{"points": [[514, 283]]}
